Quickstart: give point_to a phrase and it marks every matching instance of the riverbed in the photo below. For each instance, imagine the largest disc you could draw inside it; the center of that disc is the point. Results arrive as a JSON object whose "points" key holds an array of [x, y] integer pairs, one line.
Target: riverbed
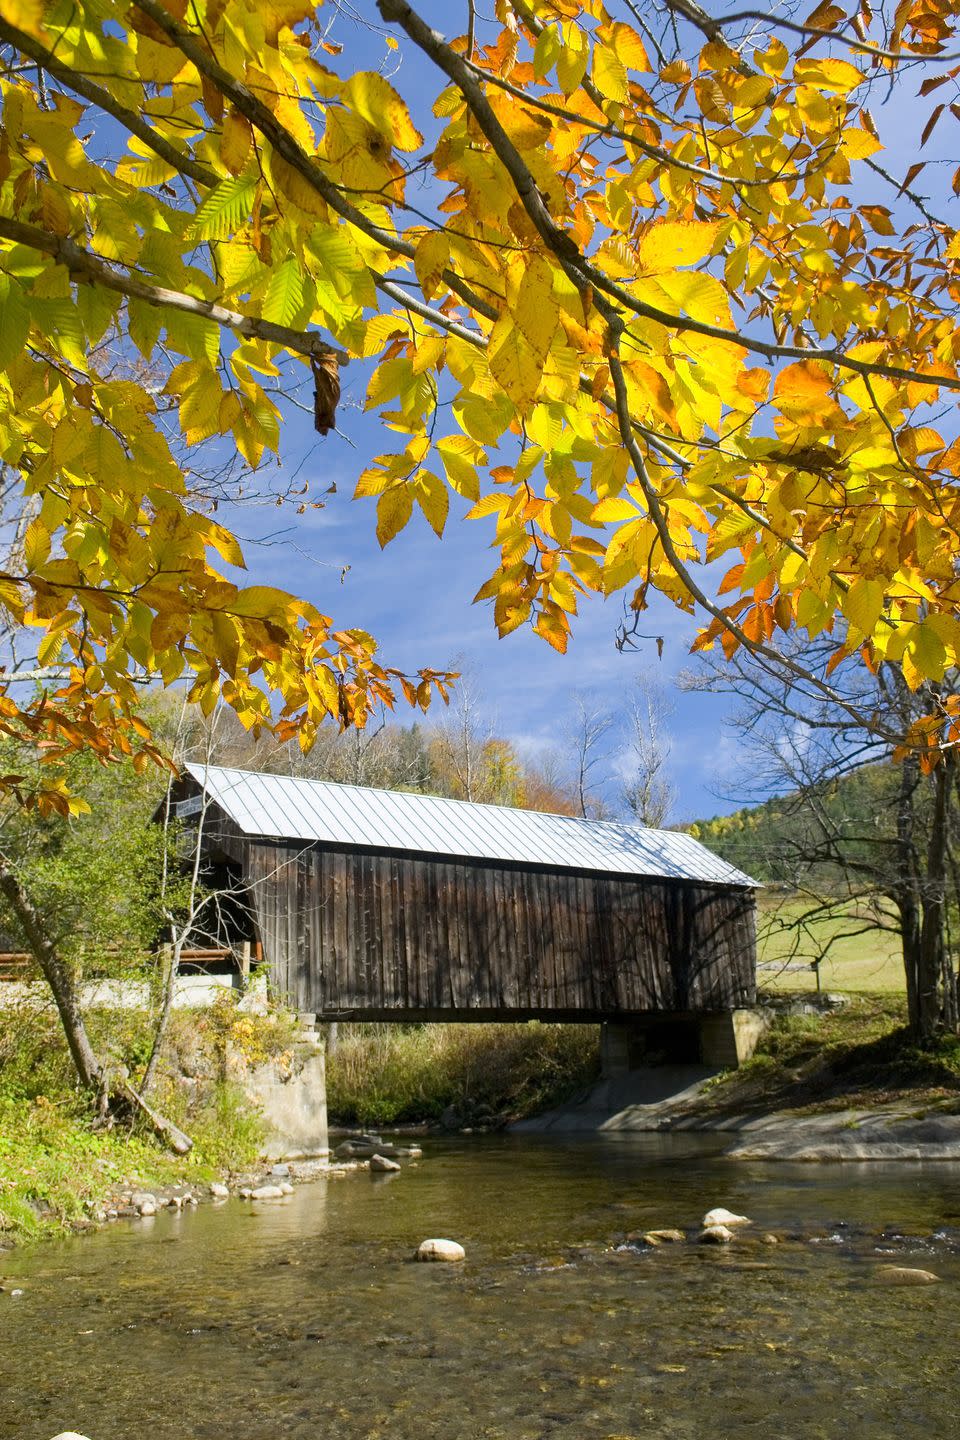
{"points": [[305, 1319]]}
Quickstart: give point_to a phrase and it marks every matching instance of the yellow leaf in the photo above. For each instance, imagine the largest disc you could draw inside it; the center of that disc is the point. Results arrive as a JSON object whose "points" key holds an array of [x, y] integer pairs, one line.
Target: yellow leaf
{"points": [[235, 142], [394, 509], [514, 364], [554, 628], [572, 60], [433, 500], [375, 100], [859, 144], [226, 544], [803, 386], [614, 508], [36, 544], [535, 307], [609, 74], [669, 243], [629, 47], [828, 74], [430, 259]]}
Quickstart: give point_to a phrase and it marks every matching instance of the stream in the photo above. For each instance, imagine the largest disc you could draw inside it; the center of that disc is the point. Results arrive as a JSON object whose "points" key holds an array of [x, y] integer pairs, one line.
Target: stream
{"points": [[305, 1319]]}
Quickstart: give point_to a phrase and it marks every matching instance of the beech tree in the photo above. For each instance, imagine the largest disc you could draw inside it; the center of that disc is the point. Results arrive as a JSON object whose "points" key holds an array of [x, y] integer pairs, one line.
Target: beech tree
{"points": [[643, 289]]}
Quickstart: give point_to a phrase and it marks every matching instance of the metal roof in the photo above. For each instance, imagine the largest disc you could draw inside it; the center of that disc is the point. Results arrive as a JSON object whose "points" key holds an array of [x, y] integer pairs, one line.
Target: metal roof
{"points": [[283, 807]]}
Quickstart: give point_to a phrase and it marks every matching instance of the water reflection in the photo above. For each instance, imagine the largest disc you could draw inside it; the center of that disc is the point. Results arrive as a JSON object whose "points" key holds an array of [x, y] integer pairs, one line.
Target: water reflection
{"points": [[306, 1319]]}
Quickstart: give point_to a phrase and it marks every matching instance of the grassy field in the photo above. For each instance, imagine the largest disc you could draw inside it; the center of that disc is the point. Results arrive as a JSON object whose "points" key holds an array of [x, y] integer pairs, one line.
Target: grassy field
{"points": [[862, 956]]}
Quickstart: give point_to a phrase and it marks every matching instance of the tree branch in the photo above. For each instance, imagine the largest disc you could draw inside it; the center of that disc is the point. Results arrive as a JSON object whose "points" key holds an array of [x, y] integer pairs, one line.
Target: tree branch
{"points": [[97, 95], [90, 269], [580, 269]]}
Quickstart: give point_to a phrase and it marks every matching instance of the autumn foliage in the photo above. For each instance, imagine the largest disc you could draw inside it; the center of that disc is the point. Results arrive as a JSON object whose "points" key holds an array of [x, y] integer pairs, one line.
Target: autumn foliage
{"points": [[658, 299]]}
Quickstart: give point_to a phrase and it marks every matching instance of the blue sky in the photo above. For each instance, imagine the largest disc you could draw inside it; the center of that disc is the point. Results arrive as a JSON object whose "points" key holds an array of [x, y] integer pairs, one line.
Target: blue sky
{"points": [[415, 596]]}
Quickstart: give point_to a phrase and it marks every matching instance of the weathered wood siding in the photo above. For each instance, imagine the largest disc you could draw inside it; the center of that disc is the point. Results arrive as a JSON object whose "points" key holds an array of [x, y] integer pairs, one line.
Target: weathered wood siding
{"points": [[391, 936]]}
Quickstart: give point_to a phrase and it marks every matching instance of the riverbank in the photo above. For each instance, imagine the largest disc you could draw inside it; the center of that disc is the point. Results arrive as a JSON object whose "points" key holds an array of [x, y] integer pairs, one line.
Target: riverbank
{"points": [[60, 1172]]}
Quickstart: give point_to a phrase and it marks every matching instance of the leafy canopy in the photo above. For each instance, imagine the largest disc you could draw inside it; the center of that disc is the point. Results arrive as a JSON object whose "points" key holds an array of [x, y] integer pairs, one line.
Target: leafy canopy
{"points": [[646, 294]]}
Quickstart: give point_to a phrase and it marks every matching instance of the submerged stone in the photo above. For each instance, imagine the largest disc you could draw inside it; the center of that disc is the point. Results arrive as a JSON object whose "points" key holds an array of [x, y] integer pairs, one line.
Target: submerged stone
{"points": [[715, 1235], [904, 1275]]}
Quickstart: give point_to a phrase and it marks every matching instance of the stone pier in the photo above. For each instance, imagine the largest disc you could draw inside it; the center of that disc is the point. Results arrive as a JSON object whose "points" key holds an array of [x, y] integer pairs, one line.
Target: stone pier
{"points": [[719, 1042]]}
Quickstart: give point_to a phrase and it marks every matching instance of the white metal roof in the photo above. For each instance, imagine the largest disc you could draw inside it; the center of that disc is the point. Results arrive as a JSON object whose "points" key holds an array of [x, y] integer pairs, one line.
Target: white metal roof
{"points": [[283, 807]]}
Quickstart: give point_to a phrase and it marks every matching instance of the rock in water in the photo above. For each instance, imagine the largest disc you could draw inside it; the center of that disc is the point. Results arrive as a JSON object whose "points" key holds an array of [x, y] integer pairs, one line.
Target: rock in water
{"points": [[724, 1217], [267, 1192], [440, 1250], [219, 1191], [69, 1435], [904, 1275], [662, 1237], [381, 1162], [715, 1235]]}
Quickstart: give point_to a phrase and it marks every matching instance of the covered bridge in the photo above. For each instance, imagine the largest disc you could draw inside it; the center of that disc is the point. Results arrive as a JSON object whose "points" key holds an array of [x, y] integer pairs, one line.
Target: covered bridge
{"points": [[387, 905]]}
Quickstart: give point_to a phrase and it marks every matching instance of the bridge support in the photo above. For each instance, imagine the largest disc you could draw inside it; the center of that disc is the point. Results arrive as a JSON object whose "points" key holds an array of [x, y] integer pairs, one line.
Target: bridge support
{"points": [[721, 1041], [729, 1039], [291, 1097]]}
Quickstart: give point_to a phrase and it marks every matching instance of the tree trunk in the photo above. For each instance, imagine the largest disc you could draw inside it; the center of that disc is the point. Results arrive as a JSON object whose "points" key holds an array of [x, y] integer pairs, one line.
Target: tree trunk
{"points": [[934, 904], [94, 1076], [171, 970], [89, 1068], [906, 890]]}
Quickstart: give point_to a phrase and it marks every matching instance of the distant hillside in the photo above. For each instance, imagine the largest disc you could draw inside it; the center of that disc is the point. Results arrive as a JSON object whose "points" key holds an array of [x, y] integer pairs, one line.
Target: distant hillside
{"points": [[777, 841]]}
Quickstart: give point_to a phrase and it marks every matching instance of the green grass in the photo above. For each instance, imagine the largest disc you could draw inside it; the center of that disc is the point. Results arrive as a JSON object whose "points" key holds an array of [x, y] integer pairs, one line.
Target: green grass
{"points": [[868, 962], [858, 1056], [406, 1074]]}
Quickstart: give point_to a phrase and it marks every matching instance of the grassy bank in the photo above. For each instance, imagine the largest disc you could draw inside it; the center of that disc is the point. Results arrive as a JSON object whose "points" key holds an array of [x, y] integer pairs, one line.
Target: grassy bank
{"points": [[860, 1056], [486, 1074], [860, 956], [56, 1167]]}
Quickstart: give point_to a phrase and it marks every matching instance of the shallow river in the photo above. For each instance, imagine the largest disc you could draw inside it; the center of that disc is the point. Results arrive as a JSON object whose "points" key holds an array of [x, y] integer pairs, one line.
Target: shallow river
{"points": [[306, 1318]]}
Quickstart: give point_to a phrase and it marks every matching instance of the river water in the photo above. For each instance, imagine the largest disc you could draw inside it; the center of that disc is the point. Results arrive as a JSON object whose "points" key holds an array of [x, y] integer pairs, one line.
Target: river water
{"points": [[305, 1320]]}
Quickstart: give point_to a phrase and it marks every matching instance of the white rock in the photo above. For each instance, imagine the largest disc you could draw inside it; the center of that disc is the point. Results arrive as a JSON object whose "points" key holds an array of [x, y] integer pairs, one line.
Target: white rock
{"points": [[440, 1250], [286, 1187], [69, 1435], [724, 1217], [219, 1191], [267, 1192], [381, 1162], [148, 1206], [715, 1235]]}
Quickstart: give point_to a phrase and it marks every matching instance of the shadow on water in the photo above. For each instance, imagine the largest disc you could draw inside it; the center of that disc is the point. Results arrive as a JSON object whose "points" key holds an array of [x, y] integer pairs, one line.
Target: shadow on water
{"points": [[307, 1319]]}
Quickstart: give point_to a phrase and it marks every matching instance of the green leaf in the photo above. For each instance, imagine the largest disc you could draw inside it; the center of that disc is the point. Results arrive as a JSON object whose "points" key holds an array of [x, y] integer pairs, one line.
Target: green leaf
{"points": [[284, 296], [863, 604], [14, 320], [225, 209]]}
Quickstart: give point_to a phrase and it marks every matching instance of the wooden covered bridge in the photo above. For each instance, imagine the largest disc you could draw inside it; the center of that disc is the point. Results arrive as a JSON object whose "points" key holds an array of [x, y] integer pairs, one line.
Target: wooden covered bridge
{"points": [[383, 905]]}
